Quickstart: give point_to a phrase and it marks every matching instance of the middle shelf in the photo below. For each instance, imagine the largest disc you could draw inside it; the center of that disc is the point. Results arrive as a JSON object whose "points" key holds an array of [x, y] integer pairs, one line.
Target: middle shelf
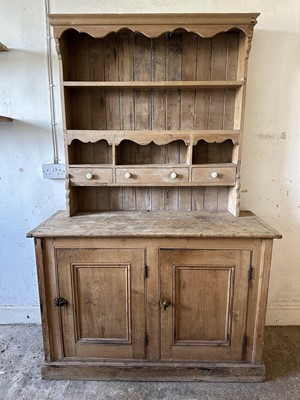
{"points": [[173, 106], [159, 137], [148, 85]]}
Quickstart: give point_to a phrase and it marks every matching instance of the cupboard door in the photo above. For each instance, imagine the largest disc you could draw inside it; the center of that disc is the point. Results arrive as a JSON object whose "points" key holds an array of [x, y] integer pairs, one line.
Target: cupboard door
{"points": [[105, 315], [203, 304]]}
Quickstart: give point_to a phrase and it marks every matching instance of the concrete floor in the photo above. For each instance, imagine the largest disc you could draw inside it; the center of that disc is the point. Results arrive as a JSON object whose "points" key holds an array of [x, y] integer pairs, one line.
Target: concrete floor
{"points": [[21, 354]]}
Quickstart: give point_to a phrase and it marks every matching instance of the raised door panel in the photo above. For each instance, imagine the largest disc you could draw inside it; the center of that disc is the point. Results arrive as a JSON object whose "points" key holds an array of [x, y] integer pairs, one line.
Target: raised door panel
{"points": [[105, 316], [205, 297]]}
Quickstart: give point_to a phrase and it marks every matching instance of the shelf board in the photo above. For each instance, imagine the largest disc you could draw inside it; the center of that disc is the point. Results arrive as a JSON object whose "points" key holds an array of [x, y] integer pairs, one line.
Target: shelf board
{"points": [[91, 165], [173, 165], [5, 119], [157, 85], [144, 137]]}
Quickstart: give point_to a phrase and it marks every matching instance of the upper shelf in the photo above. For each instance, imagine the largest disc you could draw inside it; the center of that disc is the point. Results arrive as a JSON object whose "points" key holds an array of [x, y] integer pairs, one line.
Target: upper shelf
{"points": [[152, 25], [157, 85]]}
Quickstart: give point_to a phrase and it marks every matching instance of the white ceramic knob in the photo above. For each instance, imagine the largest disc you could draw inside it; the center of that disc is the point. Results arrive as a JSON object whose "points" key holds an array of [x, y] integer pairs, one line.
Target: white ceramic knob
{"points": [[174, 175], [214, 174], [89, 176], [127, 175]]}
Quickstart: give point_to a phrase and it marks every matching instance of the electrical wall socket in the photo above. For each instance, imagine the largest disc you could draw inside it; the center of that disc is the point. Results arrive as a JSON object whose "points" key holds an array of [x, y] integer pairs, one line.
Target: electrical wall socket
{"points": [[54, 171]]}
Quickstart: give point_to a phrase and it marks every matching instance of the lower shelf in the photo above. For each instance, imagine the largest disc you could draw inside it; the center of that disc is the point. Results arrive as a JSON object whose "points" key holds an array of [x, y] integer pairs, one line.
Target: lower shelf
{"points": [[150, 371]]}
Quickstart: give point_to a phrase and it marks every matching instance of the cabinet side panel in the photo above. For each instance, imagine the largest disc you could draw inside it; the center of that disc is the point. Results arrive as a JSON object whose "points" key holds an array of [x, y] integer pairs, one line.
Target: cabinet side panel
{"points": [[239, 112], [263, 276], [43, 297], [52, 291]]}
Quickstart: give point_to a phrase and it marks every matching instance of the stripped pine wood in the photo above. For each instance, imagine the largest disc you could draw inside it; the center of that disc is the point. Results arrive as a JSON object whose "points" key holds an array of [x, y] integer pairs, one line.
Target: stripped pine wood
{"points": [[126, 62], [200, 263], [202, 107], [263, 276], [188, 84], [159, 137], [158, 121], [52, 291], [155, 372], [177, 82], [143, 110], [108, 317], [217, 105], [153, 25], [98, 102], [242, 66], [189, 72], [173, 108], [159, 224], [231, 74], [184, 331], [43, 297], [113, 117], [153, 121]]}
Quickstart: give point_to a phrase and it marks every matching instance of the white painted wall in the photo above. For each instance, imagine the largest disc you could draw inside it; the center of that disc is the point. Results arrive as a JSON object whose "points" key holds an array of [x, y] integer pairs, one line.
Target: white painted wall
{"points": [[271, 162]]}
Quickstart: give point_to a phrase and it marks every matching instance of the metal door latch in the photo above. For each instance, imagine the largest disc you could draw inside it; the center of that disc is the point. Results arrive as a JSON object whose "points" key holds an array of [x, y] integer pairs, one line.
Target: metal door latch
{"points": [[60, 301]]}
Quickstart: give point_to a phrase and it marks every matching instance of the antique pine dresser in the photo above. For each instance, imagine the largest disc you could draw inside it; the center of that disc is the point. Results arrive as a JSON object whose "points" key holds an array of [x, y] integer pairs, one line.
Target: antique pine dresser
{"points": [[153, 272]]}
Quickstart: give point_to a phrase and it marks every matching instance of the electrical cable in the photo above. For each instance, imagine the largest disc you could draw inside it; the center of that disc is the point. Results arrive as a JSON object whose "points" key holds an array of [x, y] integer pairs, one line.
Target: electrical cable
{"points": [[51, 86]]}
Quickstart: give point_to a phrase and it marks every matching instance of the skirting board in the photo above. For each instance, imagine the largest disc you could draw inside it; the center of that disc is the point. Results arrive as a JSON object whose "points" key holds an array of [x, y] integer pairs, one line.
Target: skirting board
{"points": [[283, 314], [152, 372], [19, 315]]}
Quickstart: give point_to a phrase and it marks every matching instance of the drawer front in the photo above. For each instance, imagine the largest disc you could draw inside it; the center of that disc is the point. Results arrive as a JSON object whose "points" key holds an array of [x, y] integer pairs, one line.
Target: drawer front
{"points": [[86, 176], [152, 176], [214, 176]]}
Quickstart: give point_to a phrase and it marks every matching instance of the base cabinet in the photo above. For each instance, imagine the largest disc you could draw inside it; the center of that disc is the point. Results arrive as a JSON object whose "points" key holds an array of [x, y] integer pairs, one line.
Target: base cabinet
{"points": [[153, 308], [103, 311]]}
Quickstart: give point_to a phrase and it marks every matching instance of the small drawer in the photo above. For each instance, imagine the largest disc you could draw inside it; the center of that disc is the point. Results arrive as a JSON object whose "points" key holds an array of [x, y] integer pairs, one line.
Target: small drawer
{"points": [[89, 176], [214, 176], [152, 176]]}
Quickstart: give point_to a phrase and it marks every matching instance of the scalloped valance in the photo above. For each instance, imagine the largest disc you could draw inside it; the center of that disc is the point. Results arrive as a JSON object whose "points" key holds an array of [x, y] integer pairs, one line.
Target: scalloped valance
{"points": [[153, 25]]}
